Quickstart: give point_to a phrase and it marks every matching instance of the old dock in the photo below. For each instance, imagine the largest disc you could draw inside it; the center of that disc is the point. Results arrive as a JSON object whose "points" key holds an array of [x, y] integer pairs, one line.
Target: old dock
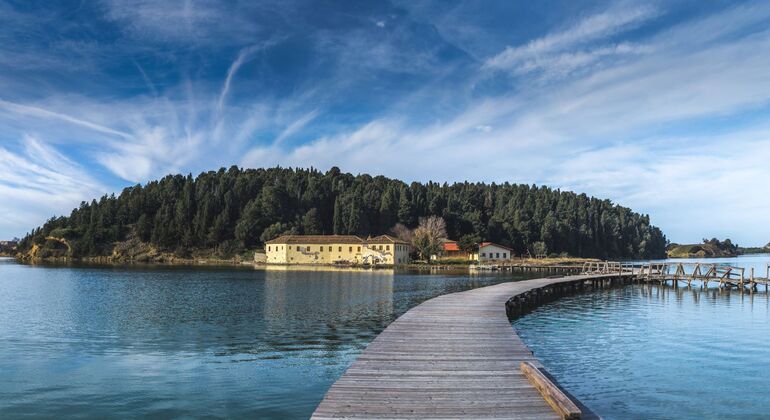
{"points": [[724, 276], [530, 268], [457, 356]]}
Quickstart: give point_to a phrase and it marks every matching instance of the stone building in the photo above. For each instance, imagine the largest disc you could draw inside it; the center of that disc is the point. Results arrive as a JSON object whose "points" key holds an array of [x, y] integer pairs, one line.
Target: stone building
{"points": [[337, 249]]}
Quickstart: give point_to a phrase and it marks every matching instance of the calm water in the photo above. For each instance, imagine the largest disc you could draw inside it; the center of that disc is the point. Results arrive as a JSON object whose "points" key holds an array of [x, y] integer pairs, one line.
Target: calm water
{"points": [[191, 342], [642, 352]]}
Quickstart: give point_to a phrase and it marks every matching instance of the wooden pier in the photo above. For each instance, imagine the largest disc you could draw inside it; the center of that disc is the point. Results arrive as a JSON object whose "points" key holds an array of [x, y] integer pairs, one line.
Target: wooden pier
{"points": [[457, 356], [725, 276], [530, 268]]}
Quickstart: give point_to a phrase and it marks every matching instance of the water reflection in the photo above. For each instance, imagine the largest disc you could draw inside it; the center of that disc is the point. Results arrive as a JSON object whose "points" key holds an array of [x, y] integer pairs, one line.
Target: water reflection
{"points": [[651, 351], [192, 342]]}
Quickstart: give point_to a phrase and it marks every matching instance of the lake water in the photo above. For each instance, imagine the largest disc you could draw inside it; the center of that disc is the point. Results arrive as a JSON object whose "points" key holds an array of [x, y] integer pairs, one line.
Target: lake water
{"points": [[97, 342], [191, 342], [642, 352]]}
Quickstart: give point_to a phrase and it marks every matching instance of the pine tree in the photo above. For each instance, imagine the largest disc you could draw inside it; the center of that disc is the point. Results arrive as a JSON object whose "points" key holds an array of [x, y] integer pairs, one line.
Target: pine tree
{"points": [[339, 224], [232, 209]]}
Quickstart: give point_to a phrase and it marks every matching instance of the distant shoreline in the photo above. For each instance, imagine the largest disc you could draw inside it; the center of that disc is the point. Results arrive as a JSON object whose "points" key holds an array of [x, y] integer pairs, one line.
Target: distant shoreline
{"points": [[240, 262]]}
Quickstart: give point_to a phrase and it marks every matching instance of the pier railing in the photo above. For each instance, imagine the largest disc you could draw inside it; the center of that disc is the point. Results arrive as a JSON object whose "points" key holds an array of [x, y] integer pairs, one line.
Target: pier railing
{"points": [[675, 272], [606, 267], [705, 273]]}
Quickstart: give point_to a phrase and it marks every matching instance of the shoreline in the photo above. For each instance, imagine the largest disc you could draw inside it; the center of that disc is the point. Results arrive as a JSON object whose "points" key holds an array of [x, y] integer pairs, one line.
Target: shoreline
{"points": [[238, 262]]}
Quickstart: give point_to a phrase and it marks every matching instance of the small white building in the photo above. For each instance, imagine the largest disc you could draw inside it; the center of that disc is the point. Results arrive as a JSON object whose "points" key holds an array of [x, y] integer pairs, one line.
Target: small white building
{"points": [[489, 252]]}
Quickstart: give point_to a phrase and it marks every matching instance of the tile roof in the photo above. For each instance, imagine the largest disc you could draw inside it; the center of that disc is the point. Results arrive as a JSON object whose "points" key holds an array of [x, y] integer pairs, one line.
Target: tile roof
{"points": [[483, 244], [334, 239], [316, 239], [451, 246], [385, 239]]}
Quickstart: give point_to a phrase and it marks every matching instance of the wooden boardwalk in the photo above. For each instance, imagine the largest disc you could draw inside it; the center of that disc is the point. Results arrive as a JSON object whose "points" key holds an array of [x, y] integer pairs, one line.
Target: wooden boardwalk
{"points": [[721, 274], [453, 356]]}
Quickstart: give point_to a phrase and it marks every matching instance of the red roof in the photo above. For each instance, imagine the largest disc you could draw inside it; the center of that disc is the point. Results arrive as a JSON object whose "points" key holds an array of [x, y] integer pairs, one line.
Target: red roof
{"points": [[451, 246]]}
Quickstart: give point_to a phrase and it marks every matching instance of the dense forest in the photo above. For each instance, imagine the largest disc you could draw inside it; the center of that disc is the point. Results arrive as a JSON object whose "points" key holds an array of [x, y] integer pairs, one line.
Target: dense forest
{"points": [[235, 209]]}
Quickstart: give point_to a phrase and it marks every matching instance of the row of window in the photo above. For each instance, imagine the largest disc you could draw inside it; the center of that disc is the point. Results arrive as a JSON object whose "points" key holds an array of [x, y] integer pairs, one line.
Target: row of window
{"points": [[494, 255], [350, 249]]}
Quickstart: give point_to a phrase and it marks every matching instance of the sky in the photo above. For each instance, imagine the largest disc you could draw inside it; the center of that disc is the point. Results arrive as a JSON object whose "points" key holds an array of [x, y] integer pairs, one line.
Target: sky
{"points": [[659, 106]]}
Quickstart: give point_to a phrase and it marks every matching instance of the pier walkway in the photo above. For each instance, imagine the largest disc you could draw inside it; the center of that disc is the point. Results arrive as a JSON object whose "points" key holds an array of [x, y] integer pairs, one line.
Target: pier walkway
{"points": [[457, 356], [722, 274]]}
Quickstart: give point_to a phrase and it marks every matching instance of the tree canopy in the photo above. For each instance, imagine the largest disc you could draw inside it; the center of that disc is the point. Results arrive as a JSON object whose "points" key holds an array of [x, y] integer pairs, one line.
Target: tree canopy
{"points": [[235, 209]]}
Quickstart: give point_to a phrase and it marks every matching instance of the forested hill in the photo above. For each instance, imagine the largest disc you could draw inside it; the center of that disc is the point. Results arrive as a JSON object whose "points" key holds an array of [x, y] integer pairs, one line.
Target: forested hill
{"points": [[234, 209]]}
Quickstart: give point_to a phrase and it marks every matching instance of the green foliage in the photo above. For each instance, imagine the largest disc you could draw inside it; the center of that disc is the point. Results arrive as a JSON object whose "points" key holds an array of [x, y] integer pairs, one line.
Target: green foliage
{"points": [[710, 248], [65, 233], [539, 248], [275, 230], [726, 245], [469, 242], [311, 224], [233, 209]]}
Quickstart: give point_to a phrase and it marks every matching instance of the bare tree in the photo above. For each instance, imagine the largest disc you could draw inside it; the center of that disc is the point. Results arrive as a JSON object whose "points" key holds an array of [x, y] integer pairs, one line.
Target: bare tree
{"points": [[429, 235], [402, 232]]}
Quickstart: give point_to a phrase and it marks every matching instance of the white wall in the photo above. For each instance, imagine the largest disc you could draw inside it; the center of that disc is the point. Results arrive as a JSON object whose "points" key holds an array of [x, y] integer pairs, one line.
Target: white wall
{"points": [[493, 252]]}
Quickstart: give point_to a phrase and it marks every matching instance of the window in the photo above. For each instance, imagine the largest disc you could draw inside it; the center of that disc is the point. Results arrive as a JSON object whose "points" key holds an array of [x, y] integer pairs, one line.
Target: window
{"points": [[387, 247], [484, 254], [350, 249], [505, 255], [359, 249], [308, 248], [339, 250], [268, 249], [289, 247], [497, 255]]}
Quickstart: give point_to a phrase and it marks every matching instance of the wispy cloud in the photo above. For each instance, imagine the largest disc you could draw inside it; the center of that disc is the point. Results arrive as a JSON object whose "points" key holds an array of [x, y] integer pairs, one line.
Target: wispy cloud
{"points": [[33, 111], [244, 55], [186, 21], [597, 132], [42, 181], [556, 52], [296, 126], [624, 100]]}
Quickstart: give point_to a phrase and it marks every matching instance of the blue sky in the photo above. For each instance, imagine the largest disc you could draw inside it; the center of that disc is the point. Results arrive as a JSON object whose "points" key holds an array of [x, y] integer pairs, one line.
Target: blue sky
{"points": [[659, 106]]}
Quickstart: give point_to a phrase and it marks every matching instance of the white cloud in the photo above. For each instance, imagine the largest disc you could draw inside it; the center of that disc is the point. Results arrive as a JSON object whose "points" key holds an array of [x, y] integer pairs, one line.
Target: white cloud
{"points": [[39, 180], [296, 126], [188, 21], [556, 51], [244, 55], [38, 112], [606, 119], [594, 133]]}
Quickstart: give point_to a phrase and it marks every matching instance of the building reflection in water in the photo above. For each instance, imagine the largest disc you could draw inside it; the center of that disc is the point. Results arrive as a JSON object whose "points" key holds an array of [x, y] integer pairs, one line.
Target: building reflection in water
{"points": [[325, 309]]}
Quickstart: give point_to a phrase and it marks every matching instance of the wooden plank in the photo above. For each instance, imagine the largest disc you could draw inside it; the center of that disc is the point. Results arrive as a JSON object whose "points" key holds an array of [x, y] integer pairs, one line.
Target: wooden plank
{"points": [[550, 392]]}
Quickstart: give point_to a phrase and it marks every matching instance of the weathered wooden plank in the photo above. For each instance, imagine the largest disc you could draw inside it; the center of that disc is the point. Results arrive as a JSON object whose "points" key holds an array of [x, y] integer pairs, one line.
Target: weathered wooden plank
{"points": [[550, 392]]}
